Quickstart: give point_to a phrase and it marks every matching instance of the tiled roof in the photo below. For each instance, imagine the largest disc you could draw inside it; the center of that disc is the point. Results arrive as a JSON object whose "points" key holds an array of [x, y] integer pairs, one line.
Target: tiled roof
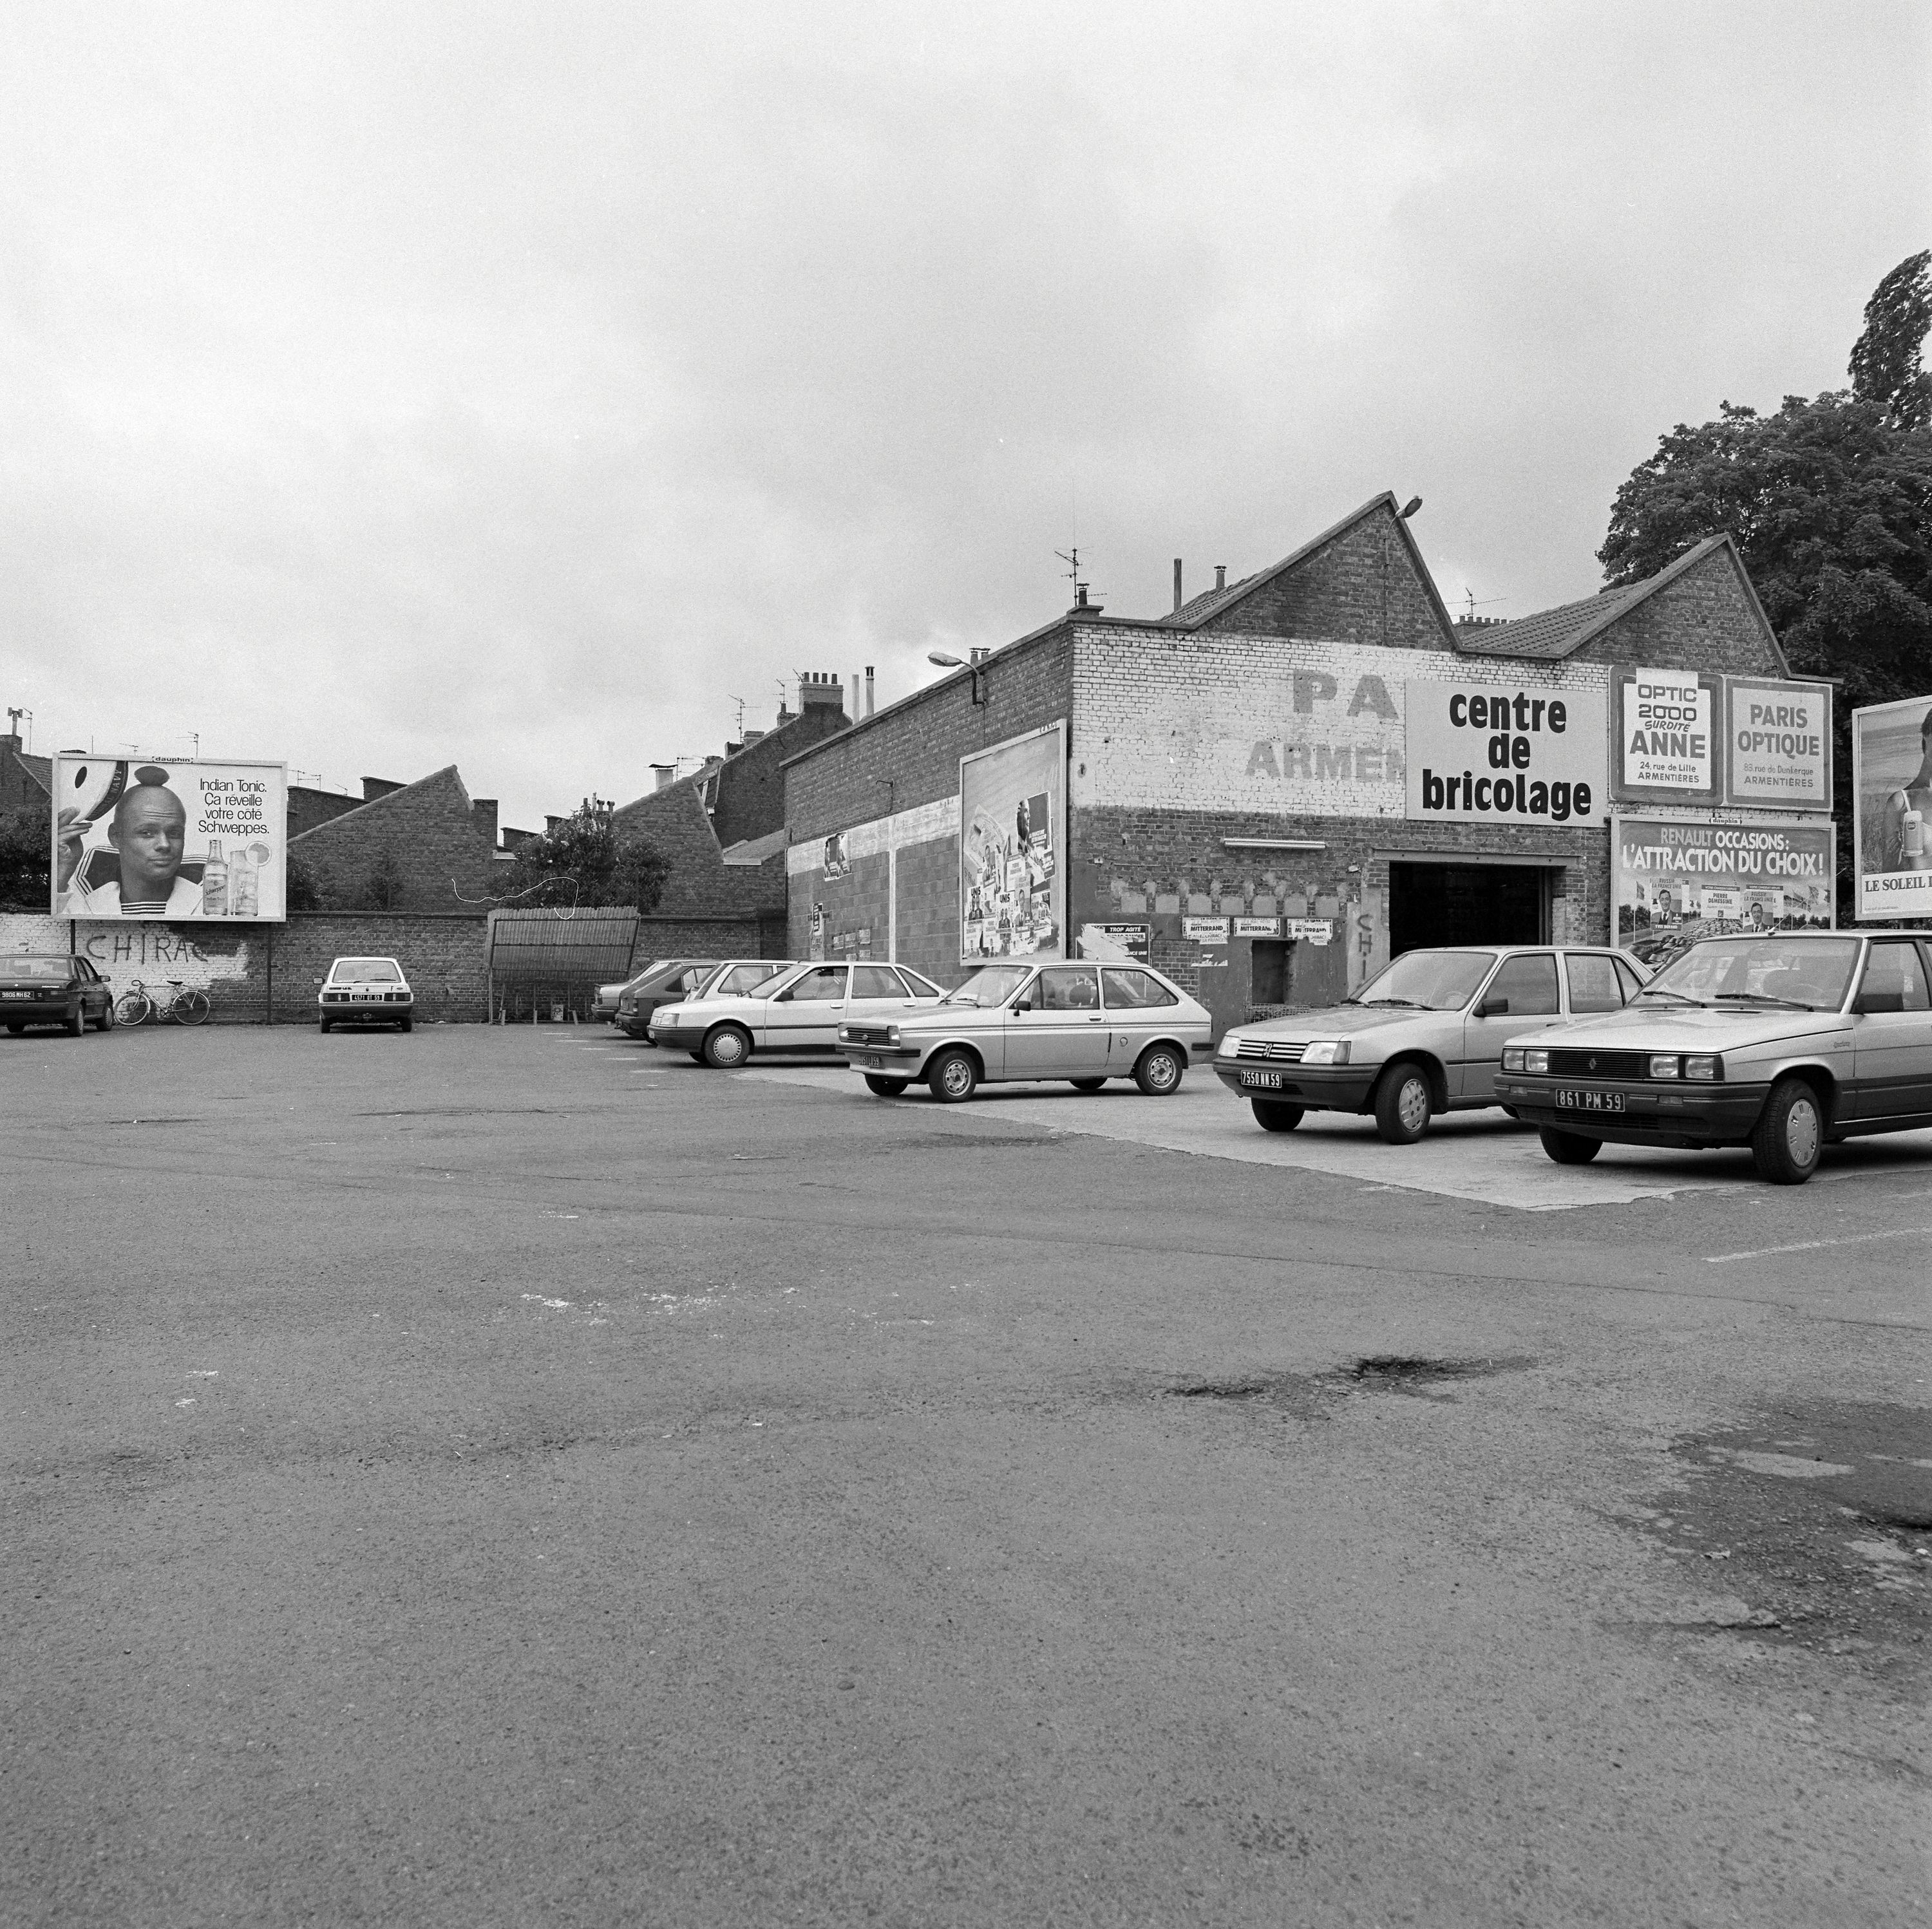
{"points": [[1551, 634], [1198, 607]]}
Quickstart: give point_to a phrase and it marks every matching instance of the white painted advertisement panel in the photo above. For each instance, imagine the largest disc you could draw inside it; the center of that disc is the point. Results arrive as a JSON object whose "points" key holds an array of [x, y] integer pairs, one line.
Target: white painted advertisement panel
{"points": [[173, 839], [1665, 733], [1891, 789], [1778, 743], [1519, 753], [1299, 728]]}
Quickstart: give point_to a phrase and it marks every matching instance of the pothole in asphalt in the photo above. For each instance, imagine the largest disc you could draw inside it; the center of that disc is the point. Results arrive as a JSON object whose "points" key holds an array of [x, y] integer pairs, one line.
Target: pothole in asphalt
{"points": [[1395, 1373], [1819, 1516]]}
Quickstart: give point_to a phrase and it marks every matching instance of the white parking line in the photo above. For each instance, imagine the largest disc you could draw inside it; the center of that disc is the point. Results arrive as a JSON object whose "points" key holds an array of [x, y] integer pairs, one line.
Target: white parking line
{"points": [[1817, 1245]]}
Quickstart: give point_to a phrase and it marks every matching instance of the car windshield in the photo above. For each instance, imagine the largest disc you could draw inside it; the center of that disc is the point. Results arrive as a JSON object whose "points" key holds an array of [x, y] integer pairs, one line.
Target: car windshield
{"points": [[1811, 973], [55, 969], [992, 984], [365, 971], [1430, 980]]}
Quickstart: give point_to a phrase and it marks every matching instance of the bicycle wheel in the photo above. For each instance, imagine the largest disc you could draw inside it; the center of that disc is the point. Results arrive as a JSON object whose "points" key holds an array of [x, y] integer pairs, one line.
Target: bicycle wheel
{"points": [[132, 1008], [192, 1008]]}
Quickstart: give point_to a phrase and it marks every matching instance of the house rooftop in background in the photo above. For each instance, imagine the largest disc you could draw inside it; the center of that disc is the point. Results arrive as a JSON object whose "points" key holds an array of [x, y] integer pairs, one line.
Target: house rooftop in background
{"points": [[26, 783]]}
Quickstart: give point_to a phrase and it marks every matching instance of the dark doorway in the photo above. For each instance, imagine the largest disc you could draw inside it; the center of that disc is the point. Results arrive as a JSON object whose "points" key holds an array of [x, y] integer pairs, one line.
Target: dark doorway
{"points": [[1467, 904]]}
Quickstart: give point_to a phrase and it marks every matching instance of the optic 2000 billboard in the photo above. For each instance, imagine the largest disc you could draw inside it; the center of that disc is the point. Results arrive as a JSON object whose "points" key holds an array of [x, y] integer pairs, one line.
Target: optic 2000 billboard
{"points": [[171, 839]]}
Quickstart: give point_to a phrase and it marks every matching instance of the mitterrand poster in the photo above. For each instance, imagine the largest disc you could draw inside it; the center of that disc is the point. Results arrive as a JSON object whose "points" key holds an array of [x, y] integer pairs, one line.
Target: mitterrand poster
{"points": [[1012, 810], [1666, 873], [170, 839]]}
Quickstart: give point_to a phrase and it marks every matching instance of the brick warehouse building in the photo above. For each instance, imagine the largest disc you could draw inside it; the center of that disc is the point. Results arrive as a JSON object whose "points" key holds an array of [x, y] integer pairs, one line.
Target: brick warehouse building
{"points": [[1234, 797]]}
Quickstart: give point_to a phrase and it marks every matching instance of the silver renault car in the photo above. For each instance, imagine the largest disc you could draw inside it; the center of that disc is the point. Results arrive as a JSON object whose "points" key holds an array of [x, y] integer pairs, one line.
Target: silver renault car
{"points": [[1423, 1036], [1083, 1023]]}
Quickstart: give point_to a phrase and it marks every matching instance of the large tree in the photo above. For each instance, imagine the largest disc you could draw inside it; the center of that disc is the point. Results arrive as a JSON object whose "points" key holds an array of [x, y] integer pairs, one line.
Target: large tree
{"points": [[1830, 501], [582, 860], [26, 845]]}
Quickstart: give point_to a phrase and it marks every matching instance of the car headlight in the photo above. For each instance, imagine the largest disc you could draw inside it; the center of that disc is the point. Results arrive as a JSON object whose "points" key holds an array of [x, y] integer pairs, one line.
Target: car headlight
{"points": [[892, 1035], [1666, 1064], [1708, 1068], [1326, 1052], [1526, 1061]]}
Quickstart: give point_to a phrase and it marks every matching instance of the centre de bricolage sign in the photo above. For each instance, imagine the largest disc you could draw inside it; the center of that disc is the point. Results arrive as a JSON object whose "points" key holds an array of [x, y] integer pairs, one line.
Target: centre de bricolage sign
{"points": [[1495, 754]]}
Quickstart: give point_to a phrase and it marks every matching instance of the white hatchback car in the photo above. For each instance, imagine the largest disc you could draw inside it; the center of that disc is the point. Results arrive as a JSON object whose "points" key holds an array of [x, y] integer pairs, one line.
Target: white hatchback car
{"points": [[799, 1010], [366, 991]]}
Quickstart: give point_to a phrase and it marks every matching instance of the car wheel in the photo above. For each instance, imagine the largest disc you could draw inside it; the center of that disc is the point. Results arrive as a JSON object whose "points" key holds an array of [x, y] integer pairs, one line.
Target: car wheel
{"points": [[885, 1088], [77, 1023], [1273, 1114], [408, 1023], [1790, 1134], [726, 1049], [105, 1022], [1401, 1104], [15, 1029], [1158, 1074], [953, 1077], [1568, 1149], [1087, 1084], [698, 1057], [1510, 1111]]}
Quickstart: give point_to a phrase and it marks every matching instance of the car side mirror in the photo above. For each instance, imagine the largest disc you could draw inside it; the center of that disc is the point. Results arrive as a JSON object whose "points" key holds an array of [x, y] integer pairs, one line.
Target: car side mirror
{"points": [[1023, 1005], [1493, 1007]]}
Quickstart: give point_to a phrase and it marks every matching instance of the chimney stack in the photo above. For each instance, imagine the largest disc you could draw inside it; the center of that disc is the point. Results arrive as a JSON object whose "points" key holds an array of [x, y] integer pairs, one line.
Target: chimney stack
{"points": [[1220, 575], [483, 815], [666, 774], [1178, 598], [817, 690], [752, 737], [868, 690]]}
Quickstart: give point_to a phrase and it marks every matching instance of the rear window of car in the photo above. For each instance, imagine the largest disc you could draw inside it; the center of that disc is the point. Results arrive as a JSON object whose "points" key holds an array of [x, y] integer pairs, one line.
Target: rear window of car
{"points": [[1529, 983], [1593, 982], [366, 971], [875, 982], [54, 970], [1134, 990], [920, 987]]}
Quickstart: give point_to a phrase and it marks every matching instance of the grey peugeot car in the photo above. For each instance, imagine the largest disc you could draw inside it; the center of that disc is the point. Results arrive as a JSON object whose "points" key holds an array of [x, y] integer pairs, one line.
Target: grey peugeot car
{"points": [[1786, 1041], [1424, 1035]]}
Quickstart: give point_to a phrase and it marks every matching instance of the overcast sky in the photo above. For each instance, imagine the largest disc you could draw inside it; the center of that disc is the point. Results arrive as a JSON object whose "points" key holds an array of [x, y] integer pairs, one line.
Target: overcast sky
{"points": [[390, 385]]}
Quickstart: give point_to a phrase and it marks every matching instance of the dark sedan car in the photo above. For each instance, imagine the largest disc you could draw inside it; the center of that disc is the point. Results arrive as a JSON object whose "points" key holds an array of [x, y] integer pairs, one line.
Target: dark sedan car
{"points": [[663, 981], [46, 988]]}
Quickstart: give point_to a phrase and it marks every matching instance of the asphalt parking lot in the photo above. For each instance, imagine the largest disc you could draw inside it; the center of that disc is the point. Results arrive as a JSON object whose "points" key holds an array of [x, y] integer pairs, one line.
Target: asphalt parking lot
{"points": [[501, 1476]]}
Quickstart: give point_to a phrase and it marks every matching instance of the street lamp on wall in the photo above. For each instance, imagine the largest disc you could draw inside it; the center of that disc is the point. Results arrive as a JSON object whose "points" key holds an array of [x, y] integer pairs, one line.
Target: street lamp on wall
{"points": [[946, 662]]}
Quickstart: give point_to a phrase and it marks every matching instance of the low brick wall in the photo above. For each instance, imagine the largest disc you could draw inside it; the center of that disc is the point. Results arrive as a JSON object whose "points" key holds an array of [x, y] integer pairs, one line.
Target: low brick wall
{"points": [[269, 973]]}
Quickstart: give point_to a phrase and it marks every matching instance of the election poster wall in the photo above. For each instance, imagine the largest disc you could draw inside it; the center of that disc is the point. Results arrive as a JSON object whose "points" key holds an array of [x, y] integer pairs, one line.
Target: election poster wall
{"points": [[175, 839], [1891, 791], [1667, 873], [1488, 753], [1013, 825]]}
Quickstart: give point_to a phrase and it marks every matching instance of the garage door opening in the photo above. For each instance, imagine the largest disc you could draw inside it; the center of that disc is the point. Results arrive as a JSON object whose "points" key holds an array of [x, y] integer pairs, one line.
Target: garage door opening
{"points": [[1468, 904]]}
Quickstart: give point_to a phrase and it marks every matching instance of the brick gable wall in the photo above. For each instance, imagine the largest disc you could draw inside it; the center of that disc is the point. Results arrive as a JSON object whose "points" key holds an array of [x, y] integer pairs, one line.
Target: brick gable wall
{"points": [[1707, 619], [699, 883], [442, 861], [1362, 587]]}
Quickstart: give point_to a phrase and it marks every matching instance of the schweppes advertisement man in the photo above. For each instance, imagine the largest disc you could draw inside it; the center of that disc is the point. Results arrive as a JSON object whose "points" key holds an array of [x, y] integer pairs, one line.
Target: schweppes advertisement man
{"points": [[1479, 753]]}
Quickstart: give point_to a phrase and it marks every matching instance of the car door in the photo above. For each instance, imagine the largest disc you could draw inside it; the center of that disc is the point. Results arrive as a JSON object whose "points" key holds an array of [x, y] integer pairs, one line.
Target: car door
{"points": [[1138, 1008], [805, 1015], [1522, 993], [1892, 1033], [878, 994], [1063, 1035]]}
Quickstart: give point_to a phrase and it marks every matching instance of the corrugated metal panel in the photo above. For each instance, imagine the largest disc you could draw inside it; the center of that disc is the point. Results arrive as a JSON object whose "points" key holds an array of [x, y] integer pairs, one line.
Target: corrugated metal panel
{"points": [[561, 947]]}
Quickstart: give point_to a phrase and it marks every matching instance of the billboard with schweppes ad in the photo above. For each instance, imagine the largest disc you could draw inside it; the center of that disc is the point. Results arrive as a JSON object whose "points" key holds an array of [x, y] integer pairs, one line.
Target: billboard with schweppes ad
{"points": [[1494, 754]]}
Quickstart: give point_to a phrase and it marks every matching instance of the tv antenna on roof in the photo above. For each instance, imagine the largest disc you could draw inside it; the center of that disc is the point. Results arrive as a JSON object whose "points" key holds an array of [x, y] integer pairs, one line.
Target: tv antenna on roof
{"points": [[739, 732], [1469, 595]]}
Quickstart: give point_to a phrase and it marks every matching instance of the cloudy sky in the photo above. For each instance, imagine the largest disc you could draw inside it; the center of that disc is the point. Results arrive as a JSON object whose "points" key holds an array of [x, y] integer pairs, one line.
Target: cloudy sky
{"points": [[395, 385]]}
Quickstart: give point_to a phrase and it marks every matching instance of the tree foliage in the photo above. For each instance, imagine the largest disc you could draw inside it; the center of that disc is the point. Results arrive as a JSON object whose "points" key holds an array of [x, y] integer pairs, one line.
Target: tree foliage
{"points": [[25, 842], [583, 860], [1829, 501], [1884, 368]]}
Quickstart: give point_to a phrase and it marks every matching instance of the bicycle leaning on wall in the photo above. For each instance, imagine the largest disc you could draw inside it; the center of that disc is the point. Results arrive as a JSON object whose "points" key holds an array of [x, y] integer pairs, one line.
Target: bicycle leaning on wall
{"points": [[183, 1004]]}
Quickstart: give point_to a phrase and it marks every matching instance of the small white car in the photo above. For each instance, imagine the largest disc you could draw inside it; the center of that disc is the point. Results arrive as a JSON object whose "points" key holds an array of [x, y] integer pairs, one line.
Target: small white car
{"points": [[366, 991], [799, 1010]]}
